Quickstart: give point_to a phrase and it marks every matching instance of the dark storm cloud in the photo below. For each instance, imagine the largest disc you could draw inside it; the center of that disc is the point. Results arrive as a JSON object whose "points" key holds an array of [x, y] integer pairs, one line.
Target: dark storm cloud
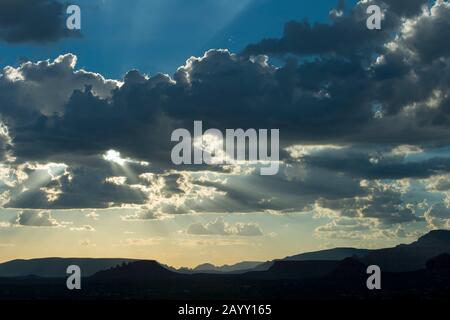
{"points": [[377, 165], [383, 203], [295, 189], [368, 90], [292, 97], [328, 99], [44, 88], [435, 29], [303, 38], [82, 186], [138, 117], [32, 218], [63, 110], [5, 143], [404, 8], [38, 21], [347, 35]]}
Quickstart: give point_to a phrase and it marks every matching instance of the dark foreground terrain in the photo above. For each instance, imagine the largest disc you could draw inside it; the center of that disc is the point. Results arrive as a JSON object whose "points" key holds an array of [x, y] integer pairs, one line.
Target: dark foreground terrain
{"points": [[420, 270]]}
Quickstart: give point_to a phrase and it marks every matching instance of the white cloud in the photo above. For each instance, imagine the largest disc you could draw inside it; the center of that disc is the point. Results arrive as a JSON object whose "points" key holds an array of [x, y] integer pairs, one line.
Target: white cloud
{"points": [[222, 228], [83, 228], [33, 218]]}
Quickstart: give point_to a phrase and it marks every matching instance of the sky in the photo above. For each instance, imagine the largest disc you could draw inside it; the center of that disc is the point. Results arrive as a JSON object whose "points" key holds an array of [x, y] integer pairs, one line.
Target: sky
{"points": [[86, 118]]}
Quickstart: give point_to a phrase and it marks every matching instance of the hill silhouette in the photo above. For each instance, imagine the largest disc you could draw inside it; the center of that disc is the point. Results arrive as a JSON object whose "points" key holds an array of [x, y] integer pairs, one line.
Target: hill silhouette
{"points": [[412, 256], [237, 267], [137, 271], [56, 267], [282, 269], [420, 270], [330, 254]]}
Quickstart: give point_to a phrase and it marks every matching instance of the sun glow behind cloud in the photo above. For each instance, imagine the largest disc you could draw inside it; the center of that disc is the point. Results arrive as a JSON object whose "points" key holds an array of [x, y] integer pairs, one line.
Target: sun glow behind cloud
{"points": [[114, 156], [326, 169]]}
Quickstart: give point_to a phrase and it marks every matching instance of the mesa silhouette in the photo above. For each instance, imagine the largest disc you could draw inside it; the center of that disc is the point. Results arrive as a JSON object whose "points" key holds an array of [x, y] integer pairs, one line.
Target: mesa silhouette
{"points": [[420, 270]]}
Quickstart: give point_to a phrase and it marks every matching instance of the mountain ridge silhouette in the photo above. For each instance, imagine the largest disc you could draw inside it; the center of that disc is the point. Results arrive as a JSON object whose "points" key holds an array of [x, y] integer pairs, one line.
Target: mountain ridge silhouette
{"points": [[403, 257], [343, 279]]}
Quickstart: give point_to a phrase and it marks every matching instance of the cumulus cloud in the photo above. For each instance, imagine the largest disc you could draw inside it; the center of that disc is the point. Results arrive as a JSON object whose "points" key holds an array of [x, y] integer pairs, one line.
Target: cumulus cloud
{"points": [[378, 162], [37, 21], [146, 215], [367, 113], [383, 202], [345, 35], [83, 228], [344, 228], [438, 216], [221, 228], [5, 143], [32, 218], [43, 88]]}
